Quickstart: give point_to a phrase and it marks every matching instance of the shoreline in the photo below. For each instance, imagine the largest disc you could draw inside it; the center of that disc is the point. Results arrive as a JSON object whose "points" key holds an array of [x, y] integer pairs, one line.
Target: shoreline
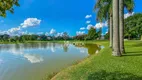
{"points": [[104, 65]]}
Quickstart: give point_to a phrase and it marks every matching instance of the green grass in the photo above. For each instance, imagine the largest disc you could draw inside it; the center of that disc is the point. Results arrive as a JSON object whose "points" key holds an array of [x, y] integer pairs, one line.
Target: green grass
{"points": [[104, 66]]}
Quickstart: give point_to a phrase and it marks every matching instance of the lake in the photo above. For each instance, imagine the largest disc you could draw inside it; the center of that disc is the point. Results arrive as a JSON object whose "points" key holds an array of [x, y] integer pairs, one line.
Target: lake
{"points": [[35, 61]]}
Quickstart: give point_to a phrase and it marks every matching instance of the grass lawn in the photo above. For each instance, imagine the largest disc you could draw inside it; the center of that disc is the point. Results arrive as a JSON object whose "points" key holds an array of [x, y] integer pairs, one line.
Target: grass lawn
{"points": [[103, 66]]}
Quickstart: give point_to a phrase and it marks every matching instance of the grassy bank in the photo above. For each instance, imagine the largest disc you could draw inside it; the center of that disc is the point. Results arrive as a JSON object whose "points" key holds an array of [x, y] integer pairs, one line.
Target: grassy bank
{"points": [[105, 67]]}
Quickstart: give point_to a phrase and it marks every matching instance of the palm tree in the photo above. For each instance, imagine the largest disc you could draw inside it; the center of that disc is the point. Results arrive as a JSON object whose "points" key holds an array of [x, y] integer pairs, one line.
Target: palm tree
{"points": [[116, 46], [104, 12], [121, 24], [129, 4]]}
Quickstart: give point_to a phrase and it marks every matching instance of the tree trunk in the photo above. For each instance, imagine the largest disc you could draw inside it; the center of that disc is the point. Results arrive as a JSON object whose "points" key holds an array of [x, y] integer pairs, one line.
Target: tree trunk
{"points": [[141, 37], [129, 37], [111, 31], [121, 24], [116, 43]]}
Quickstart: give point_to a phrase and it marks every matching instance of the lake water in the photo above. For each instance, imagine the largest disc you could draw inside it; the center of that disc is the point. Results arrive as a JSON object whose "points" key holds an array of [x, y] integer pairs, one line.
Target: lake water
{"points": [[35, 61]]}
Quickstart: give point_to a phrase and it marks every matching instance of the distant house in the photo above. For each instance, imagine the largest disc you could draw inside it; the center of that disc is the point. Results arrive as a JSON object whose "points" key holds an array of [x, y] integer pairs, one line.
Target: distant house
{"points": [[102, 37], [39, 38]]}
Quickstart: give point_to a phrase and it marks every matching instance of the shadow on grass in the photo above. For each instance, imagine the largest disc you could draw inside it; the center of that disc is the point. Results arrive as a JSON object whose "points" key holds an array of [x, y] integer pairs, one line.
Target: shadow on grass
{"points": [[138, 45], [132, 54], [103, 75], [136, 53]]}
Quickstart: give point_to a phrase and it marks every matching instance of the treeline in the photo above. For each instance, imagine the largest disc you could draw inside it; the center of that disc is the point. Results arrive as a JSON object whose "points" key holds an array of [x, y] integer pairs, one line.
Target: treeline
{"points": [[23, 38], [133, 27], [93, 34]]}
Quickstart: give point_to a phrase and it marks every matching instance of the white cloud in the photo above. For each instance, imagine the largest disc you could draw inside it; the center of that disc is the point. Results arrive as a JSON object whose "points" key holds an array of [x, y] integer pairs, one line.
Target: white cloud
{"points": [[100, 25], [12, 30], [24, 32], [128, 15], [88, 16], [59, 34], [30, 22], [82, 28], [88, 22], [80, 32], [52, 31], [89, 26], [33, 58], [46, 33]]}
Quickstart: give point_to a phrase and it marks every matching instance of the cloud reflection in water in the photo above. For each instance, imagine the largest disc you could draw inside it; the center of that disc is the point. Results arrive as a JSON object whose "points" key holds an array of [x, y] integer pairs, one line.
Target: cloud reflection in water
{"points": [[33, 58]]}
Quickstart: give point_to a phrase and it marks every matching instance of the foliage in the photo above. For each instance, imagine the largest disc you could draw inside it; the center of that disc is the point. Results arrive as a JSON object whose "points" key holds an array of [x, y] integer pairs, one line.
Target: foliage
{"points": [[65, 35], [92, 34], [133, 25], [106, 36], [80, 37], [99, 33], [7, 5], [34, 37], [104, 8]]}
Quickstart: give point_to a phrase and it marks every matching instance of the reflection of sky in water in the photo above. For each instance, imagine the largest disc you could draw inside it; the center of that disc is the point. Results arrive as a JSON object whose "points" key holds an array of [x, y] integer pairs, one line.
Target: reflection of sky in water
{"points": [[30, 51], [1, 61], [21, 51], [102, 47], [39, 58]]}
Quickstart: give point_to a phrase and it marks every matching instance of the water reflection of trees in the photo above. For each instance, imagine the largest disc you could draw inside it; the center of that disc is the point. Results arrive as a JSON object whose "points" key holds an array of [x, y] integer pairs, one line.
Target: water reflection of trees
{"points": [[92, 48], [29, 46], [65, 47]]}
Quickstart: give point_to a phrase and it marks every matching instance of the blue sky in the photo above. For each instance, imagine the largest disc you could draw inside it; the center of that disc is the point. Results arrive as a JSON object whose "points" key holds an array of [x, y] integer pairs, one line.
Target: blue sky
{"points": [[60, 15]]}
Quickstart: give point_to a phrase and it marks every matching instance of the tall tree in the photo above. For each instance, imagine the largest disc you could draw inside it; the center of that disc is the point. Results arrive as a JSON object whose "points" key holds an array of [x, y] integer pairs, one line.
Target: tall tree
{"points": [[92, 34], [116, 45], [129, 4], [104, 12], [111, 31], [7, 5], [121, 24], [65, 36]]}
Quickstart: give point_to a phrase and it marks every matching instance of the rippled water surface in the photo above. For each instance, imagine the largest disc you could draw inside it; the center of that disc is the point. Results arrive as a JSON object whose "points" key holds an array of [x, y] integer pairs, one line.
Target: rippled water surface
{"points": [[35, 61]]}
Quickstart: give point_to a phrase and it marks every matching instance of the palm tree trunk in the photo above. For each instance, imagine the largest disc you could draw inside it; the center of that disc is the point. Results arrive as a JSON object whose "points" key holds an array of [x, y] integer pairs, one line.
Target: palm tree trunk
{"points": [[111, 31], [121, 24], [116, 43]]}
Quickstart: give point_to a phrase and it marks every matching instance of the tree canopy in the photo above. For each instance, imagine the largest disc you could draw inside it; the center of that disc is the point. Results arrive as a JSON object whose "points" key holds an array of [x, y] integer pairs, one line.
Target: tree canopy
{"points": [[133, 26], [92, 34], [104, 8], [7, 5]]}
